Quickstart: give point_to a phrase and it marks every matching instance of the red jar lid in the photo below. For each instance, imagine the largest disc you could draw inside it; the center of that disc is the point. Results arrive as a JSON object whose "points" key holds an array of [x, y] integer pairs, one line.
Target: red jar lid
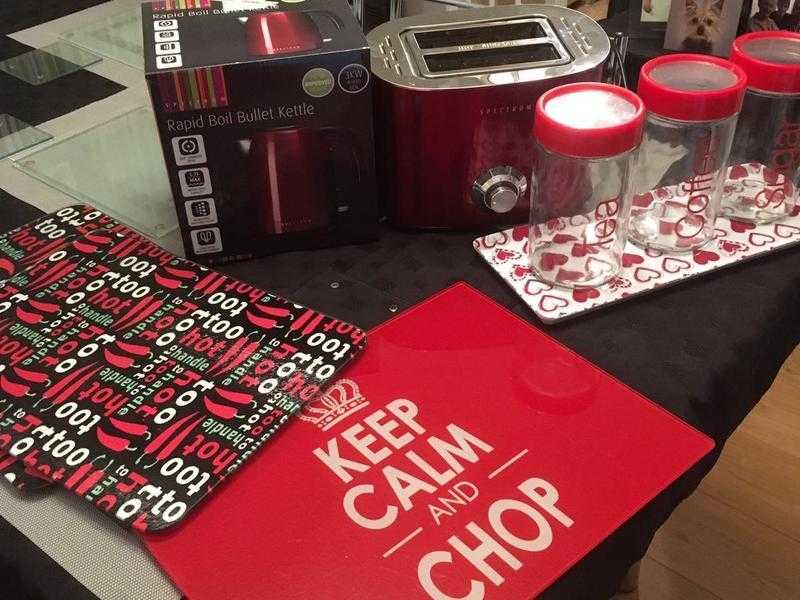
{"points": [[771, 60], [589, 120], [692, 87]]}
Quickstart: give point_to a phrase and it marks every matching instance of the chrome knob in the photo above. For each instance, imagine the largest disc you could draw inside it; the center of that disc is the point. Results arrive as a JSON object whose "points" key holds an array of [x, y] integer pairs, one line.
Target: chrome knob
{"points": [[503, 198], [499, 189]]}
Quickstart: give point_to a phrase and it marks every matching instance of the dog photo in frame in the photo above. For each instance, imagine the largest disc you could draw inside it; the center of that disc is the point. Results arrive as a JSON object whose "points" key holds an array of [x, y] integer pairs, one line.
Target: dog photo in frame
{"points": [[703, 26]]}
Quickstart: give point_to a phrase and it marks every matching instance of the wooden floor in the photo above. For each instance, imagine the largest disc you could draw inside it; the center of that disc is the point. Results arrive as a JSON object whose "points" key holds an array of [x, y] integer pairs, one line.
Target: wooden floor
{"points": [[738, 536]]}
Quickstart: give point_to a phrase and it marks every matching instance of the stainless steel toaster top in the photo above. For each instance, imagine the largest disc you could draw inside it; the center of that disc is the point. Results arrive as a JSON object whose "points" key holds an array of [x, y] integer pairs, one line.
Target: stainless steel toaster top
{"points": [[486, 46]]}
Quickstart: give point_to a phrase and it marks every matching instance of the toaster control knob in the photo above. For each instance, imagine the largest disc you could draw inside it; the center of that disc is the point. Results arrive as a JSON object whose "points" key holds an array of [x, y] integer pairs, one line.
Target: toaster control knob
{"points": [[503, 198], [499, 188]]}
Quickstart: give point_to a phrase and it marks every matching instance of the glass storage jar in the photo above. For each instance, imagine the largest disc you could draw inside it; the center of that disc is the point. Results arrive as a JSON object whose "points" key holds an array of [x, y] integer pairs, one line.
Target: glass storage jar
{"points": [[586, 136], [765, 159], [692, 104]]}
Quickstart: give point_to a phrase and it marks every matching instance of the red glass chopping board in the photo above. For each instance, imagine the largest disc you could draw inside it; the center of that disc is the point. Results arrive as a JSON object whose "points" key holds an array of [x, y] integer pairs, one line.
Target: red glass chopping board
{"points": [[465, 455]]}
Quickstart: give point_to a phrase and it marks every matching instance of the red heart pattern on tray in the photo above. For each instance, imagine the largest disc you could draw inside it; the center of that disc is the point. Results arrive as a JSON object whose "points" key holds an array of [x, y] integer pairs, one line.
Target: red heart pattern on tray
{"points": [[741, 226], [495, 239], [502, 255], [702, 257], [563, 238], [550, 260], [642, 271], [673, 264], [758, 238], [731, 247], [520, 272], [784, 230], [534, 287], [584, 294], [567, 276], [645, 274], [738, 172], [628, 259], [549, 303]]}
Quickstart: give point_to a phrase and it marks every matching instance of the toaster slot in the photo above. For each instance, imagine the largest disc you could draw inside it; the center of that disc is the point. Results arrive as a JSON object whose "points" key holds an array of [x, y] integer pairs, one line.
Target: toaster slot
{"points": [[490, 58], [475, 48], [485, 34], [491, 46]]}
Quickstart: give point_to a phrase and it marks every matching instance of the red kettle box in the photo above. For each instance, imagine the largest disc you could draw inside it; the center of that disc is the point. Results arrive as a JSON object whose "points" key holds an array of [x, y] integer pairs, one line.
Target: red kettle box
{"points": [[465, 455], [264, 111]]}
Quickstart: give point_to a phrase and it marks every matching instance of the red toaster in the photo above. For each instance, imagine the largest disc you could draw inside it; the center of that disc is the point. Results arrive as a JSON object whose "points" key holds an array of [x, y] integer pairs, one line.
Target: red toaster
{"points": [[454, 99]]}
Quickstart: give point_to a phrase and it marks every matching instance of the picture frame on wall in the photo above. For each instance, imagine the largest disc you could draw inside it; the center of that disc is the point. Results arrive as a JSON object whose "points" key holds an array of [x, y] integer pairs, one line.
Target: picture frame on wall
{"points": [[772, 15], [648, 18], [655, 11], [703, 26]]}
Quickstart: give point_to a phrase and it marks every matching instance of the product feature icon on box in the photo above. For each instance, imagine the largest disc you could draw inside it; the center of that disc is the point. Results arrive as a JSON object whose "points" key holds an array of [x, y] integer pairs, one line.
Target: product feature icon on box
{"points": [[170, 35], [189, 150], [168, 61], [168, 48], [195, 182], [206, 240], [165, 24], [201, 212]]}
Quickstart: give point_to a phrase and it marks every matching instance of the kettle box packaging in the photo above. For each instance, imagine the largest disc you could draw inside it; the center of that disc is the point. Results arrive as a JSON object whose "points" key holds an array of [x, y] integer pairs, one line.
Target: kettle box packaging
{"points": [[264, 116]]}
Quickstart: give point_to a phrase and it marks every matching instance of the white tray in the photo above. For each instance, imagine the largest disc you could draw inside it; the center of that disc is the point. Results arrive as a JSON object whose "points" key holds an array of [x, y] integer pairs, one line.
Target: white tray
{"points": [[643, 271]]}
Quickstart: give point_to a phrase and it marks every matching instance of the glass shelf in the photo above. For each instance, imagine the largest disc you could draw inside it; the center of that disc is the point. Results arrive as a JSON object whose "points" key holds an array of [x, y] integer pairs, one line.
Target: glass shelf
{"points": [[48, 63], [116, 166], [16, 135], [118, 37]]}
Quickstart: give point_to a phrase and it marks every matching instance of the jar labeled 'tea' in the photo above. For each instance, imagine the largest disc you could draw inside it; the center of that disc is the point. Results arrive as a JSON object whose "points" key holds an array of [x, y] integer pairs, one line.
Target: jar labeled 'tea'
{"points": [[763, 178], [692, 104], [586, 135]]}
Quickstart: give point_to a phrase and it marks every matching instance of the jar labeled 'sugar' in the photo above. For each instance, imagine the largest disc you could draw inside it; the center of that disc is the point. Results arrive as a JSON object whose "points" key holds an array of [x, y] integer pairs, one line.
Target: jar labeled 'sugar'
{"points": [[765, 159]]}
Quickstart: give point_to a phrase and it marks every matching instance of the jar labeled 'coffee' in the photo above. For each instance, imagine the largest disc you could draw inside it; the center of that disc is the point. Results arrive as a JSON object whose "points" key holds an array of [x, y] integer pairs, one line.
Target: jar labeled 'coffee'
{"points": [[692, 104]]}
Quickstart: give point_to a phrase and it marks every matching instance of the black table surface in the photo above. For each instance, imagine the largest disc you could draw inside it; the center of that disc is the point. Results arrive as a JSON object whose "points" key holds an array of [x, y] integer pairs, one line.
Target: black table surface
{"points": [[705, 350]]}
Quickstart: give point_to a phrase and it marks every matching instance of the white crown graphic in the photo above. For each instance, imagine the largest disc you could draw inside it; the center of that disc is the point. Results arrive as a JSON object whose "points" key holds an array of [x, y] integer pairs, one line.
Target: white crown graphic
{"points": [[339, 401]]}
